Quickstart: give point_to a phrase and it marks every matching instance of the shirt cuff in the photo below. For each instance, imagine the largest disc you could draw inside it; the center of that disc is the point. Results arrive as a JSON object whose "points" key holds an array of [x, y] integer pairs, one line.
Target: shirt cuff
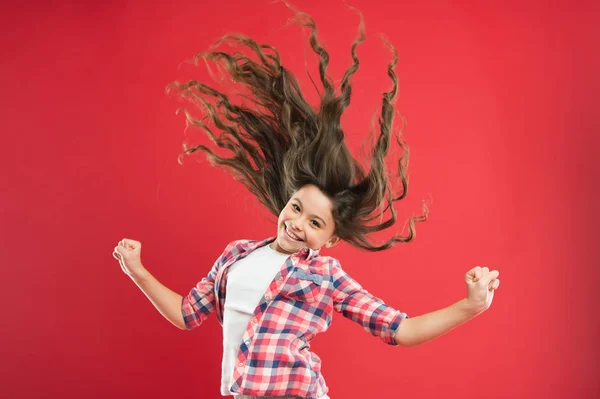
{"points": [[394, 326], [187, 311]]}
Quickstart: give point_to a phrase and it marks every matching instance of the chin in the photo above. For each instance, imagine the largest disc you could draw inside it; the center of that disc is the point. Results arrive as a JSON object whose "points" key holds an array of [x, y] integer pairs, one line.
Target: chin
{"points": [[286, 246]]}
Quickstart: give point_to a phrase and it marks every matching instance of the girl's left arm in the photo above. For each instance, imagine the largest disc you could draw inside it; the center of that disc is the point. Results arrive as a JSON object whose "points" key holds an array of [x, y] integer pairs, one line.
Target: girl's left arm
{"points": [[481, 284]]}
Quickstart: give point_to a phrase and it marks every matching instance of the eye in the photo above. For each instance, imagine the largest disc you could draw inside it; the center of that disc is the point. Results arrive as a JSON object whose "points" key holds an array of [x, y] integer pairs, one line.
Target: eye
{"points": [[316, 224], [296, 207]]}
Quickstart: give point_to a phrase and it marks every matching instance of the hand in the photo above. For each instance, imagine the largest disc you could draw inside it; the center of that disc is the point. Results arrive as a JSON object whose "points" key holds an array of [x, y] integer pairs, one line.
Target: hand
{"points": [[481, 284], [128, 253]]}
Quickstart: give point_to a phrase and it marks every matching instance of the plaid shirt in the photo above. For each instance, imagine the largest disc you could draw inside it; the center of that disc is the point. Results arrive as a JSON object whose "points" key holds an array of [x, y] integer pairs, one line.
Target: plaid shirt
{"points": [[274, 357]]}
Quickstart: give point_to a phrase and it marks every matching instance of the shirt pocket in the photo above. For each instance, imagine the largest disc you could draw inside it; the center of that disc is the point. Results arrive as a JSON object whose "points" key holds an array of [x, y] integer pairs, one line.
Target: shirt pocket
{"points": [[303, 286]]}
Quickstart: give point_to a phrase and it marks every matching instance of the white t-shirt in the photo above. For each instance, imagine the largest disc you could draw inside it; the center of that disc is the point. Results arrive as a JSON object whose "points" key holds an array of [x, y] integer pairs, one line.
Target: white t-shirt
{"points": [[247, 281]]}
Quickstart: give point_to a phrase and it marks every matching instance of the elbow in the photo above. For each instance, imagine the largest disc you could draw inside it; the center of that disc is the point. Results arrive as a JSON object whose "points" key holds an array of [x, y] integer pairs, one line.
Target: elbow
{"points": [[180, 323], [402, 336], [183, 326], [402, 341], [406, 344]]}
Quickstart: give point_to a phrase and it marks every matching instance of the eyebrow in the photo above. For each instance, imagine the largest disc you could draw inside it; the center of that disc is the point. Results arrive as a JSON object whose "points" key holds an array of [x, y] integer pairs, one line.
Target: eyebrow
{"points": [[315, 216]]}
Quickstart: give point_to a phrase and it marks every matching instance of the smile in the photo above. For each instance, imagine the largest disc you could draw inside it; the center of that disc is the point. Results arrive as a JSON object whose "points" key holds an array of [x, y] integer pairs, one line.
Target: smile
{"points": [[291, 235]]}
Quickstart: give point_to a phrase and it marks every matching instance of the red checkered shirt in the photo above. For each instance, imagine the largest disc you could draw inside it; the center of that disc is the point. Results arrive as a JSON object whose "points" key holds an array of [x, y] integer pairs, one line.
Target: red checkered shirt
{"points": [[274, 358]]}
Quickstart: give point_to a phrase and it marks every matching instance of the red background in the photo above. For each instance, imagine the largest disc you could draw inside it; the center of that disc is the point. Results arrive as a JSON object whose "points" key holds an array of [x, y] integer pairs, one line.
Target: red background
{"points": [[501, 103]]}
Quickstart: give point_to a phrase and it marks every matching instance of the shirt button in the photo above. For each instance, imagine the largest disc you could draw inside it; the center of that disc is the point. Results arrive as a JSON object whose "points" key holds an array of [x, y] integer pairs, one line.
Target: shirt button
{"points": [[248, 342], [280, 278], [255, 320], [241, 364], [268, 297]]}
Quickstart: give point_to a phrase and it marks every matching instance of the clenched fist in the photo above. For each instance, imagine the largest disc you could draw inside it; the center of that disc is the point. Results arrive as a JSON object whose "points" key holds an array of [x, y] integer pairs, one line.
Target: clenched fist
{"points": [[481, 284], [128, 253]]}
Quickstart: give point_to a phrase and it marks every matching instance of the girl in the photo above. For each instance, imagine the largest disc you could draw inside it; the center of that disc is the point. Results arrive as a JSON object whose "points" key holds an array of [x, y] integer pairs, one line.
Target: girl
{"points": [[273, 296]]}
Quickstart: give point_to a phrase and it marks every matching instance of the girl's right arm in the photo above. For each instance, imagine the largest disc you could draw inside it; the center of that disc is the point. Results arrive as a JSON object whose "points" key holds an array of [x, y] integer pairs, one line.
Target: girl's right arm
{"points": [[167, 302]]}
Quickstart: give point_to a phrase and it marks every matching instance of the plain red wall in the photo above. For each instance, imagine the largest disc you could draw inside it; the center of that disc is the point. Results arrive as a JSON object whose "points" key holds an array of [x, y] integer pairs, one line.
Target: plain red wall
{"points": [[501, 103]]}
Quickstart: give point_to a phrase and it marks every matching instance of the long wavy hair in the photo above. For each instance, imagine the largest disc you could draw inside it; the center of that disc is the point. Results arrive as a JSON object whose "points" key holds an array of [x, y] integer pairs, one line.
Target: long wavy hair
{"points": [[281, 143]]}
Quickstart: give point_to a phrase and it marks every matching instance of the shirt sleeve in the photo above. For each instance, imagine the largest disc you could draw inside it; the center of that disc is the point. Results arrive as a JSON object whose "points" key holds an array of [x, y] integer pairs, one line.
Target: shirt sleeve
{"points": [[358, 305], [200, 302]]}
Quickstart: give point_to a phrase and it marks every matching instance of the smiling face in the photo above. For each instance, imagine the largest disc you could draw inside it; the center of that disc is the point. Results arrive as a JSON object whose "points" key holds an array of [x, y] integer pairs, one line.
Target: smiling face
{"points": [[306, 221]]}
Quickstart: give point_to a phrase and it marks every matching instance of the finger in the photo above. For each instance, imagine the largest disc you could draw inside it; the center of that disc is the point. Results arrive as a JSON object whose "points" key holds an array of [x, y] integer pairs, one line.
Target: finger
{"points": [[490, 276], [494, 284], [118, 256], [477, 272], [485, 269], [122, 262], [128, 244], [473, 274]]}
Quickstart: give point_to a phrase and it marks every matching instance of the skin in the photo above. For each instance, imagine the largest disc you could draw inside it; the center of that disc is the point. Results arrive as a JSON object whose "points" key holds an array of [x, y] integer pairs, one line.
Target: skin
{"points": [[308, 215], [303, 213]]}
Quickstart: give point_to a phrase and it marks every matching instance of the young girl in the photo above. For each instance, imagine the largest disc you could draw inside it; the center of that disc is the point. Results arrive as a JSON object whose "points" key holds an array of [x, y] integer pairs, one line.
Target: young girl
{"points": [[273, 296]]}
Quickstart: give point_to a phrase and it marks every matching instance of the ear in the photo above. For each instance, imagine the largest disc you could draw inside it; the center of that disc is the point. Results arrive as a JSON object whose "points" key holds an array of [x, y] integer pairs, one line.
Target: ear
{"points": [[333, 241]]}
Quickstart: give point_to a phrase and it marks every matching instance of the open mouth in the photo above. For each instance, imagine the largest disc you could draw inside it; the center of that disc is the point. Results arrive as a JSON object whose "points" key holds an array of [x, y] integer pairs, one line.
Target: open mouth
{"points": [[291, 235]]}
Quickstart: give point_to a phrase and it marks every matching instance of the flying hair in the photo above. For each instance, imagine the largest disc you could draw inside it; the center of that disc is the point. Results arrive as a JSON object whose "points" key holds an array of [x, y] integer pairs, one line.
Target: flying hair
{"points": [[280, 143]]}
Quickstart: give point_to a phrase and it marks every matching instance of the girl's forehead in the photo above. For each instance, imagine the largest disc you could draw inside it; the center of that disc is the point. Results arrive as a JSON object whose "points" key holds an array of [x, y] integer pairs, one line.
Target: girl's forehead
{"points": [[314, 201]]}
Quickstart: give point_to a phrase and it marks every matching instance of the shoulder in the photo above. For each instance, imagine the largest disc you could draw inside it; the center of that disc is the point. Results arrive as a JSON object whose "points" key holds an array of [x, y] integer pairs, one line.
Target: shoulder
{"points": [[329, 263], [239, 243], [341, 282], [239, 246], [338, 274], [332, 262]]}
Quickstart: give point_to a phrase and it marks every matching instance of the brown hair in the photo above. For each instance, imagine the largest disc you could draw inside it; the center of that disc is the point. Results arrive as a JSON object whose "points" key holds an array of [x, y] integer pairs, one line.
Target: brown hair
{"points": [[282, 143]]}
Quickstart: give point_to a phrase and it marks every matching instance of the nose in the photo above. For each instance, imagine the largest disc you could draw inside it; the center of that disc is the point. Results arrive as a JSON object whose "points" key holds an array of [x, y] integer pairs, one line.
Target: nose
{"points": [[293, 226]]}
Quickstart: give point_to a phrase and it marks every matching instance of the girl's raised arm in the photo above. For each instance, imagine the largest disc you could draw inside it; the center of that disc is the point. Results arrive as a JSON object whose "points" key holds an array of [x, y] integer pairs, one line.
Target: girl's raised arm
{"points": [[167, 302], [481, 284]]}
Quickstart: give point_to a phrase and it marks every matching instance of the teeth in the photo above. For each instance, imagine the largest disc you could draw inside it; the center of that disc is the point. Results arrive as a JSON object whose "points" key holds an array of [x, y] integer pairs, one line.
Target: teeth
{"points": [[292, 235]]}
